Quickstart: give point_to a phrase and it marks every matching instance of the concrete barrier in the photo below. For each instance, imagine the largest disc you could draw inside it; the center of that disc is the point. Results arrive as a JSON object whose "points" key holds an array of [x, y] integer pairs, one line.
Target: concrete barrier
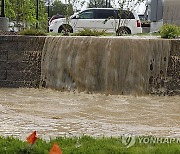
{"points": [[20, 61], [110, 65]]}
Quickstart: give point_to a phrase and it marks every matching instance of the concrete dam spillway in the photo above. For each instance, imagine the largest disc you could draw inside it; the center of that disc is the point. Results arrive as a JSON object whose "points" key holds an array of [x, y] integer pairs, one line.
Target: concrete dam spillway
{"points": [[109, 65]]}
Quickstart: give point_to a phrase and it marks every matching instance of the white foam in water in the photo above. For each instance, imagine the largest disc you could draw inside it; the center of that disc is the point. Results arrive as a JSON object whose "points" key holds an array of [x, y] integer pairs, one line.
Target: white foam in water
{"points": [[54, 113]]}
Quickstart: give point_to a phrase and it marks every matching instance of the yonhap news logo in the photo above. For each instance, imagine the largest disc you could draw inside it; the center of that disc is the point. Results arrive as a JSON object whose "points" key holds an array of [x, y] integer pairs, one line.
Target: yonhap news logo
{"points": [[129, 140]]}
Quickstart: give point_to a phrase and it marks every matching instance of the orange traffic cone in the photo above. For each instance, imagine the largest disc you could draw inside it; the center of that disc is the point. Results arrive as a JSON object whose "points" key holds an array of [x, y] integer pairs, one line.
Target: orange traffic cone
{"points": [[32, 138], [55, 149]]}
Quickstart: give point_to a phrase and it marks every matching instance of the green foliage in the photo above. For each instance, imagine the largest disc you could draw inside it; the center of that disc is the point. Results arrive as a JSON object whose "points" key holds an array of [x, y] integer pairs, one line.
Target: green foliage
{"points": [[32, 32], [89, 32], [169, 31], [43, 16], [24, 12], [57, 7], [19, 10], [85, 145]]}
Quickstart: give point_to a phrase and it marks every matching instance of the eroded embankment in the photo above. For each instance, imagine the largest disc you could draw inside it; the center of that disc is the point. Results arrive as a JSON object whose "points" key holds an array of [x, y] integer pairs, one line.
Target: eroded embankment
{"points": [[111, 65]]}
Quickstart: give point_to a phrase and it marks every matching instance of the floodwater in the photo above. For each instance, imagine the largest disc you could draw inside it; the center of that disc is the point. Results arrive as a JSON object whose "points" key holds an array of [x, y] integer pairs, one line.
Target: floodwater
{"points": [[53, 113]]}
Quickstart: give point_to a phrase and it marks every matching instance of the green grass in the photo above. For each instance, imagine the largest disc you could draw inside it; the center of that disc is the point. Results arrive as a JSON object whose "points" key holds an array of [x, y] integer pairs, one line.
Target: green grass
{"points": [[54, 34], [101, 34], [32, 32], [148, 34], [84, 32], [85, 145], [89, 32]]}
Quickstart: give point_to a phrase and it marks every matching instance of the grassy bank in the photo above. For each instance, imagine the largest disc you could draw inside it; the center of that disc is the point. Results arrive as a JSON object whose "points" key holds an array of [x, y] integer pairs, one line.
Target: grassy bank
{"points": [[86, 145]]}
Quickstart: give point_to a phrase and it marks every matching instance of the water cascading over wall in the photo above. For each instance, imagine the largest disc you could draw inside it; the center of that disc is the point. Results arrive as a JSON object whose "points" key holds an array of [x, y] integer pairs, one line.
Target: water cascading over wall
{"points": [[110, 65]]}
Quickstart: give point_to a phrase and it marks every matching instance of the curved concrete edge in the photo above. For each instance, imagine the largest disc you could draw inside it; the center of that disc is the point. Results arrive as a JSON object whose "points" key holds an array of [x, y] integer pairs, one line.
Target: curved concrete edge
{"points": [[20, 62]]}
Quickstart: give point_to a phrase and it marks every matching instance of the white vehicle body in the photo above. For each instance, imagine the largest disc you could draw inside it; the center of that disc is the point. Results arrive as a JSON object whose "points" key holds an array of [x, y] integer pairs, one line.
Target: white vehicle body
{"points": [[94, 18]]}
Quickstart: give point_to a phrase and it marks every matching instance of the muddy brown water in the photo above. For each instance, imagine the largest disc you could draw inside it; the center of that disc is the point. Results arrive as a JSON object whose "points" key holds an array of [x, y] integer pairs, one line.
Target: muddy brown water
{"points": [[53, 113]]}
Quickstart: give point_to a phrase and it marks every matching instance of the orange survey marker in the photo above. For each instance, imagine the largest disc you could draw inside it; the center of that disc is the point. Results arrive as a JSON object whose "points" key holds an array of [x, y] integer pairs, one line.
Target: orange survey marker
{"points": [[55, 149], [32, 138]]}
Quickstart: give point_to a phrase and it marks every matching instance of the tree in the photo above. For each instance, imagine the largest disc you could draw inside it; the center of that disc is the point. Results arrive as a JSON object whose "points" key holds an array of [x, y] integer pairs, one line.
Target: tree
{"points": [[24, 12], [43, 15], [20, 10], [57, 7]]}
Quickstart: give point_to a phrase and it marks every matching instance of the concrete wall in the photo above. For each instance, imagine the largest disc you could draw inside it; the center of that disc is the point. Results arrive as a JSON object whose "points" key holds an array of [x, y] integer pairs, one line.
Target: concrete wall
{"points": [[94, 64], [173, 71], [20, 59], [167, 82]]}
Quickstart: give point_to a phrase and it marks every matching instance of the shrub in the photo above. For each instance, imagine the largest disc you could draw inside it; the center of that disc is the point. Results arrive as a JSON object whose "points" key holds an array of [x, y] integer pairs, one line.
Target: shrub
{"points": [[169, 31], [33, 32], [89, 32]]}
